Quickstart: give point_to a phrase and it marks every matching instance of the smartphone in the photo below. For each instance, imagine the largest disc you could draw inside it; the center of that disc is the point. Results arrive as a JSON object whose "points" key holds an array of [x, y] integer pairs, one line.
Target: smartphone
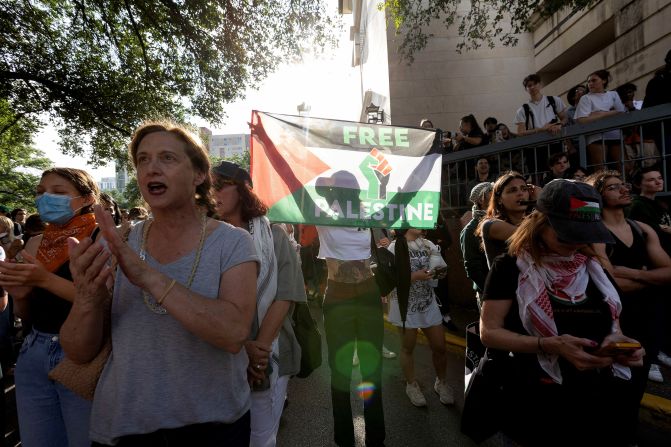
{"points": [[439, 272], [621, 348]]}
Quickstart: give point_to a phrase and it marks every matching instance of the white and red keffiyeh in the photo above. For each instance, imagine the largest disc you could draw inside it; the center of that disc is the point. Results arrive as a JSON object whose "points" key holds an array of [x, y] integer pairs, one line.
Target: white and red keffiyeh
{"points": [[567, 277]]}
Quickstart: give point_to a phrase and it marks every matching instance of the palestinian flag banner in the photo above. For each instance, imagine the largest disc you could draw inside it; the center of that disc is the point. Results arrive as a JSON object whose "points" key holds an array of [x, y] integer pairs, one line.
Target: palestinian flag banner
{"points": [[329, 172]]}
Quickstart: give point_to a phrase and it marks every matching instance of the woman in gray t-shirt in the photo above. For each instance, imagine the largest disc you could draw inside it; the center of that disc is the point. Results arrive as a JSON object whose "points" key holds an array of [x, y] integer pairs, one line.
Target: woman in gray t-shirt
{"points": [[182, 308]]}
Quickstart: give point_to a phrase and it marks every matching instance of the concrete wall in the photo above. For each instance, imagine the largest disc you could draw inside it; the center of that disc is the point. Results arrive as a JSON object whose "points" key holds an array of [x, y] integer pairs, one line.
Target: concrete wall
{"points": [[443, 85], [629, 38], [632, 38]]}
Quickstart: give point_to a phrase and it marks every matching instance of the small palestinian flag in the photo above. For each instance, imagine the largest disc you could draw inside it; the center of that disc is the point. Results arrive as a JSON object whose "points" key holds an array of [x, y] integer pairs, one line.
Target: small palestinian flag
{"points": [[329, 172], [584, 210]]}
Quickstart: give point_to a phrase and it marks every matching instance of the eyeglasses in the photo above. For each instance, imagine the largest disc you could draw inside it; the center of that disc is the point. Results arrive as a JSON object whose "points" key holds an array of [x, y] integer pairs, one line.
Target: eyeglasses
{"points": [[515, 189], [618, 186], [220, 183]]}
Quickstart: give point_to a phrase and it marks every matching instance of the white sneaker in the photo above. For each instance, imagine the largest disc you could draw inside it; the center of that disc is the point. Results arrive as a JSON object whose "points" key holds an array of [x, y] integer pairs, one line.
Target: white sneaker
{"points": [[386, 353], [415, 394], [664, 359], [655, 374], [355, 359], [445, 392]]}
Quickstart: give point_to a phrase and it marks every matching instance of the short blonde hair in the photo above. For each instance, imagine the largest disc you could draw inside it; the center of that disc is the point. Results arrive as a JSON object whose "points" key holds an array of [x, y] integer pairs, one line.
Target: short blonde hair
{"points": [[7, 226]]}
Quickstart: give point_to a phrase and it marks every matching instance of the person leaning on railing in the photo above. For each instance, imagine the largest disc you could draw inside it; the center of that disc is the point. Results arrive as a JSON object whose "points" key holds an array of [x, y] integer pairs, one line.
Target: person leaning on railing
{"points": [[598, 104]]}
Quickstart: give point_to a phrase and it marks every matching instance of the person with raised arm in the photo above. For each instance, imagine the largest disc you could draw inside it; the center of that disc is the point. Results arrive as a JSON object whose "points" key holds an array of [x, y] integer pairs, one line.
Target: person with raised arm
{"points": [[181, 311]]}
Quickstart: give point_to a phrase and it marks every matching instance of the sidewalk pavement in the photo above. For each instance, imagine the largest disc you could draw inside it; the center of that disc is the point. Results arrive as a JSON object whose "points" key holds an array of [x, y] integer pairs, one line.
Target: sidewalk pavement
{"points": [[656, 402]]}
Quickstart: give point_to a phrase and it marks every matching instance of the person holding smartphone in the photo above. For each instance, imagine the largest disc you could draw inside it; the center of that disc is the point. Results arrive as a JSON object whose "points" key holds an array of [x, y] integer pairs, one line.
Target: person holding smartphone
{"points": [[552, 314], [419, 310]]}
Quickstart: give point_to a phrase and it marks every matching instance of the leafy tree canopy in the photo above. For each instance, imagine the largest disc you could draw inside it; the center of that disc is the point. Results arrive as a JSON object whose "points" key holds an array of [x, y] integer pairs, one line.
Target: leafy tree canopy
{"points": [[98, 68], [486, 22], [132, 195], [18, 158], [243, 160]]}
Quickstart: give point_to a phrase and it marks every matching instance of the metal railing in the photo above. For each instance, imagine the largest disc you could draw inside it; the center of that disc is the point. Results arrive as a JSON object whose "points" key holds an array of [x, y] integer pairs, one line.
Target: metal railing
{"points": [[644, 140]]}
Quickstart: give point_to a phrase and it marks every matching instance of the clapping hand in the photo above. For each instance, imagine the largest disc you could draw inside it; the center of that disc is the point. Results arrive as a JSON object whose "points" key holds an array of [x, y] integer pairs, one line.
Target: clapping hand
{"points": [[135, 269], [18, 278], [90, 271]]}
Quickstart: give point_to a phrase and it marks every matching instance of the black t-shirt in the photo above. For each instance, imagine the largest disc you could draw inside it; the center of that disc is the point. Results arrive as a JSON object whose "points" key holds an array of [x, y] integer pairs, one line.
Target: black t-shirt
{"points": [[48, 311], [588, 317]]}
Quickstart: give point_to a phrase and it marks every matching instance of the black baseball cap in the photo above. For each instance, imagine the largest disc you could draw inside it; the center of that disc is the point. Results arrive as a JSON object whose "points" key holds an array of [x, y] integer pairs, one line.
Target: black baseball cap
{"points": [[574, 211], [232, 171]]}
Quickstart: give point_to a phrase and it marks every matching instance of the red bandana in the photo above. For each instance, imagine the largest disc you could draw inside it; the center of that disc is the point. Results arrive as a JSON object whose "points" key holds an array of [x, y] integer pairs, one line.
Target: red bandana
{"points": [[53, 251]]}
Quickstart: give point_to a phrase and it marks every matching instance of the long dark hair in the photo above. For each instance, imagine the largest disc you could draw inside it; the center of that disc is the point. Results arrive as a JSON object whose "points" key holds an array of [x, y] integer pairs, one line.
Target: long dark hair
{"points": [[250, 204], [402, 260], [475, 127], [495, 209]]}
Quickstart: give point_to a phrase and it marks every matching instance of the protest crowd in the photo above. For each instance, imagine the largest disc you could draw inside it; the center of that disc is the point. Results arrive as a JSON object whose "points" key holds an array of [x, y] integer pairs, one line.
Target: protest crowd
{"points": [[568, 270]]}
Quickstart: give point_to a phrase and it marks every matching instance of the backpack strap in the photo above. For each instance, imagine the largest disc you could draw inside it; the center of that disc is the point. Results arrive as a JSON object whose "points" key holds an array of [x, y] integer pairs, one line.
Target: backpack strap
{"points": [[553, 104], [528, 114]]}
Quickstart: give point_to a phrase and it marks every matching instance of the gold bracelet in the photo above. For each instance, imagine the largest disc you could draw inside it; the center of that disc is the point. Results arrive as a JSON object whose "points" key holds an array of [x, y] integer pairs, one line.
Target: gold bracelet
{"points": [[167, 291]]}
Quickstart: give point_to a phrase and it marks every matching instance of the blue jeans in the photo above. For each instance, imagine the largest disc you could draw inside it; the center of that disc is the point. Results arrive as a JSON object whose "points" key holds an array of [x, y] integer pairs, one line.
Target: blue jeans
{"points": [[50, 415]]}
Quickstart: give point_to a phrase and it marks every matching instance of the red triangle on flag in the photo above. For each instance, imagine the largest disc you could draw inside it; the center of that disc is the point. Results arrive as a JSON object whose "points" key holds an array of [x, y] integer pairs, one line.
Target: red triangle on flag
{"points": [[280, 164], [577, 203]]}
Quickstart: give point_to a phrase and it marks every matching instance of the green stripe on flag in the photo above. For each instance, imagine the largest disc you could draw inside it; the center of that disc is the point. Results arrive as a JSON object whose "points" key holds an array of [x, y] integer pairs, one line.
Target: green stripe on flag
{"points": [[344, 207]]}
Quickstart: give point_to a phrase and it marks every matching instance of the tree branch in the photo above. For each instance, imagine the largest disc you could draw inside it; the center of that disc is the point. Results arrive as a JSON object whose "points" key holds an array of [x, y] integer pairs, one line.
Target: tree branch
{"points": [[68, 92], [139, 38]]}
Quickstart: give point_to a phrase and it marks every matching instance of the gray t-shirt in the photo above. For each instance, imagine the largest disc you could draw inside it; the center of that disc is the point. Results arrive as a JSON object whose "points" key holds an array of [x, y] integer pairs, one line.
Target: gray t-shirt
{"points": [[290, 287], [160, 375]]}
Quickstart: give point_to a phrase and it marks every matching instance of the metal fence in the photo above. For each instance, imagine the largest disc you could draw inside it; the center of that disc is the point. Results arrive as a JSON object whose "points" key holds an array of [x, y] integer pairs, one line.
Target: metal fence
{"points": [[644, 139]]}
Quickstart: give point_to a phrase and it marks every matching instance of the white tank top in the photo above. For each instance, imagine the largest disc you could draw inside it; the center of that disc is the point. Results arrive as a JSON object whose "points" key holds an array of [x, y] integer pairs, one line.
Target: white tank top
{"points": [[344, 243]]}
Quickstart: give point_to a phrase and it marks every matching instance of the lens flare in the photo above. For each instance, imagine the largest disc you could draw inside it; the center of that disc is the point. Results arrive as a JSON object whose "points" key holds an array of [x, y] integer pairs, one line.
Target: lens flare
{"points": [[365, 390]]}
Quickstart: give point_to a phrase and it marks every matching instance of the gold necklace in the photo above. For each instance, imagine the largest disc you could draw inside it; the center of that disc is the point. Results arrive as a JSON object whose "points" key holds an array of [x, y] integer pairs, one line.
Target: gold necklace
{"points": [[149, 300]]}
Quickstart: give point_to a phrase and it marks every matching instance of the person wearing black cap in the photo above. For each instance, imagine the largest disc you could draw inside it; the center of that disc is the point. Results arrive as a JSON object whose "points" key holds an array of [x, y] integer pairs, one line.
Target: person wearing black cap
{"points": [[550, 303], [272, 348], [641, 268]]}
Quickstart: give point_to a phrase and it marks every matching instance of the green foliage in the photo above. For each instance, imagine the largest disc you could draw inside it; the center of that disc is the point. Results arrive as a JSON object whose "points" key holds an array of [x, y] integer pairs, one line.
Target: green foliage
{"points": [[132, 194], [486, 22], [242, 160], [19, 160], [99, 68], [119, 198]]}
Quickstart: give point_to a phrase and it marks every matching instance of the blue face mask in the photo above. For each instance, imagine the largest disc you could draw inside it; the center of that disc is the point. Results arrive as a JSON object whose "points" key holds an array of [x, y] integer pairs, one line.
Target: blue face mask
{"points": [[55, 208]]}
